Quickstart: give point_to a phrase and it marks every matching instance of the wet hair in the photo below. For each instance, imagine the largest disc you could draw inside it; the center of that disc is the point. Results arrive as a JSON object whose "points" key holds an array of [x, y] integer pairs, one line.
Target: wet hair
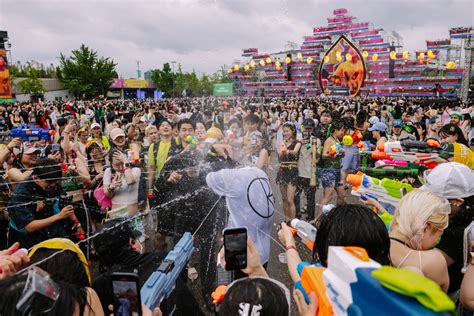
{"points": [[451, 130], [336, 125], [348, 122], [352, 225], [186, 121], [63, 266], [48, 170], [255, 291], [69, 295]]}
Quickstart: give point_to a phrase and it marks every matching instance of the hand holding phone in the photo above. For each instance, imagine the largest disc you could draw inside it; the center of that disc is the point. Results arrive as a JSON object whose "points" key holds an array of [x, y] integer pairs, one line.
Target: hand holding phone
{"points": [[126, 291], [235, 248]]}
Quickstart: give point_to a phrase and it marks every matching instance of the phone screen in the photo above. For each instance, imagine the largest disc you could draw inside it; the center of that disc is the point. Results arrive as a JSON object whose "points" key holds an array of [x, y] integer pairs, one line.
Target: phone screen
{"points": [[126, 294], [235, 248]]}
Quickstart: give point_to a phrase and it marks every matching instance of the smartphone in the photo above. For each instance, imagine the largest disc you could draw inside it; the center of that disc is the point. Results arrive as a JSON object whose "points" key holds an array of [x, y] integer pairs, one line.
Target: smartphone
{"points": [[55, 148], [235, 248], [126, 294]]}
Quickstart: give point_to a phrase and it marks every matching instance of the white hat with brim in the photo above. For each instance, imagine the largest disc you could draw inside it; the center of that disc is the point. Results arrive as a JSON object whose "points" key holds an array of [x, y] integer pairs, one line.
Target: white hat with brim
{"points": [[451, 180]]}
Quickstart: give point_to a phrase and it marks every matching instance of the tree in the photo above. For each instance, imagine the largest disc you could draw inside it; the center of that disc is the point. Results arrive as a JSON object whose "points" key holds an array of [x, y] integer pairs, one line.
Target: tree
{"points": [[32, 84], [164, 79], [85, 74]]}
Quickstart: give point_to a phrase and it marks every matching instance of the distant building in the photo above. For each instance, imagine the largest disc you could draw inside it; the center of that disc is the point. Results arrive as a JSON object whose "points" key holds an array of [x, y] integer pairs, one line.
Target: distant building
{"points": [[147, 75], [54, 90]]}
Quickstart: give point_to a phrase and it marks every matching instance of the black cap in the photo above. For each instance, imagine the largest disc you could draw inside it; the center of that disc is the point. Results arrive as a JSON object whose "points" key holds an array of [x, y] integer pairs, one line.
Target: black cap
{"points": [[309, 123]]}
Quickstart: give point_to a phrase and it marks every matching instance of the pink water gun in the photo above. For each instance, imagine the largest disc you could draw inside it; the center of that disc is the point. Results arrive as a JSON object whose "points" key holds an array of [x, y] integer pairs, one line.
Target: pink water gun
{"points": [[393, 162]]}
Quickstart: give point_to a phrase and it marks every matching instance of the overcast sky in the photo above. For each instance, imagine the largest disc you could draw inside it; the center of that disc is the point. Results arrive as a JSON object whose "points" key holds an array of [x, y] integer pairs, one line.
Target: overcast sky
{"points": [[204, 34]]}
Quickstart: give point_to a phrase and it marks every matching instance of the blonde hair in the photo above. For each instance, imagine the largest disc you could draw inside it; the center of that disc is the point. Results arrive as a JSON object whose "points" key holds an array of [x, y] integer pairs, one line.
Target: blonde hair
{"points": [[149, 128], [415, 210]]}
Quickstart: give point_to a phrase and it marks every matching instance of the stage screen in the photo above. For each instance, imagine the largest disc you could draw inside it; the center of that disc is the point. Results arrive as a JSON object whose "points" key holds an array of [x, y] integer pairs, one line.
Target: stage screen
{"points": [[342, 71], [5, 85]]}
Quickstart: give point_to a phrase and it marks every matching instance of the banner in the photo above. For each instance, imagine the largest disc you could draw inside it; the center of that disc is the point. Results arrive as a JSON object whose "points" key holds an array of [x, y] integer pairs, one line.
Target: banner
{"points": [[342, 70], [117, 84], [5, 84], [135, 83], [223, 89]]}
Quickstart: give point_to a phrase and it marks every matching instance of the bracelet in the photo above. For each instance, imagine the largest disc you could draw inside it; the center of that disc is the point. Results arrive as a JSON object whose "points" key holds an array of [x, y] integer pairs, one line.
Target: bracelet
{"points": [[291, 247]]}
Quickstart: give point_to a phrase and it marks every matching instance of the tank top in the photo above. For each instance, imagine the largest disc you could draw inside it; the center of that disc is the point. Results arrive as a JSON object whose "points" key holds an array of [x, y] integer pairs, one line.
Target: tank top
{"points": [[290, 159], [331, 162]]}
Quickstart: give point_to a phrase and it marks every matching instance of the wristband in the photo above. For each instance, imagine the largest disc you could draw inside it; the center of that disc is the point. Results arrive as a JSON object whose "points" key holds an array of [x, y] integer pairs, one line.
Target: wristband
{"points": [[291, 247]]}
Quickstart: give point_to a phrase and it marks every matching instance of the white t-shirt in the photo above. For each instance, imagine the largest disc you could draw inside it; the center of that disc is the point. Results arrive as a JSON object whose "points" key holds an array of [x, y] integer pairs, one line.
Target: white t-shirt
{"points": [[125, 194], [250, 202]]}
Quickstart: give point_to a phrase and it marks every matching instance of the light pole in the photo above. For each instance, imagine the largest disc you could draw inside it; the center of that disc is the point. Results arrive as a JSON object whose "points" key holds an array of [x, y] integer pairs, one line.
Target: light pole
{"points": [[172, 86]]}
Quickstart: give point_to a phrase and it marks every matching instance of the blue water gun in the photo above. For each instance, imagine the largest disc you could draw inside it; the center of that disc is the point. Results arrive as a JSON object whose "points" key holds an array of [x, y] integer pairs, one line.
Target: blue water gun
{"points": [[162, 282], [29, 133]]}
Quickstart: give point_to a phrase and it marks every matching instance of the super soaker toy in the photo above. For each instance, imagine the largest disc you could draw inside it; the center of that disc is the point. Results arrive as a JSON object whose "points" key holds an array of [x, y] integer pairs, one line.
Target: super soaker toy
{"points": [[354, 284], [162, 282], [392, 171], [31, 134], [305, 231], [335, 150], [192, 141], [386, 190], [394, 150]]}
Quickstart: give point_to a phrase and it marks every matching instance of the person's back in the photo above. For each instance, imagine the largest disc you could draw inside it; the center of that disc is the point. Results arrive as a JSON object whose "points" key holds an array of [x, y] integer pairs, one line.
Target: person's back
{"points": [[249, 200]]}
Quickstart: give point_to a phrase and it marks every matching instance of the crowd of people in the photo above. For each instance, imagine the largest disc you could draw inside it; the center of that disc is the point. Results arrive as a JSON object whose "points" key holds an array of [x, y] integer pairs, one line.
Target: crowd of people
{"points": [[104, 178]]}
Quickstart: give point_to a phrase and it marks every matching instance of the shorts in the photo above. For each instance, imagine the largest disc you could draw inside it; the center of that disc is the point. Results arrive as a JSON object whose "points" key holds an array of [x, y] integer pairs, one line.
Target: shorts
{"points": [[287, 176], [330, 177], [350, 159]]}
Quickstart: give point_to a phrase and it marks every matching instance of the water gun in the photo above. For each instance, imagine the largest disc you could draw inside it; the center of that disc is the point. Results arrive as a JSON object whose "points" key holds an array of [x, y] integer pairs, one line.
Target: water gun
{"points": [[347, 140], [398, 163], [162, 282], [394, 150], [192, 141], [224, 278], [305, 231], [386, 190], [392, 171], [364, 147], [354, 284], [133, 156], [335, 150], [31, 134]]}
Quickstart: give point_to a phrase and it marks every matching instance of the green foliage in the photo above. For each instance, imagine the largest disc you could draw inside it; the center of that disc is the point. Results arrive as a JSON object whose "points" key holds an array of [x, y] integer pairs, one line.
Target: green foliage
{"points": [[164, 79], [32, 84], [173, 84], [86, 75], [15, 72]]}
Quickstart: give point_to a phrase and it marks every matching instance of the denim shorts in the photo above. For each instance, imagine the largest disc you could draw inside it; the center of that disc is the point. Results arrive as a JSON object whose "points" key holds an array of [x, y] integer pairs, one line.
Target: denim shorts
{"points": [[330, 177], [350, 159]]}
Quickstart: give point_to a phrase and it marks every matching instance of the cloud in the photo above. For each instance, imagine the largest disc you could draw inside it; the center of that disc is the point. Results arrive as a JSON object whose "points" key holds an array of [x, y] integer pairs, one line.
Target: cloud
{"points": [[204, 34]]}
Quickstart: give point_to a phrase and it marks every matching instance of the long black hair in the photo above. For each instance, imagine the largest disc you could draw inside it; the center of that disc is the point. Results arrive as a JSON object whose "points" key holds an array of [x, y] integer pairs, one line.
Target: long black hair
{"points": [[451, 130]]}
